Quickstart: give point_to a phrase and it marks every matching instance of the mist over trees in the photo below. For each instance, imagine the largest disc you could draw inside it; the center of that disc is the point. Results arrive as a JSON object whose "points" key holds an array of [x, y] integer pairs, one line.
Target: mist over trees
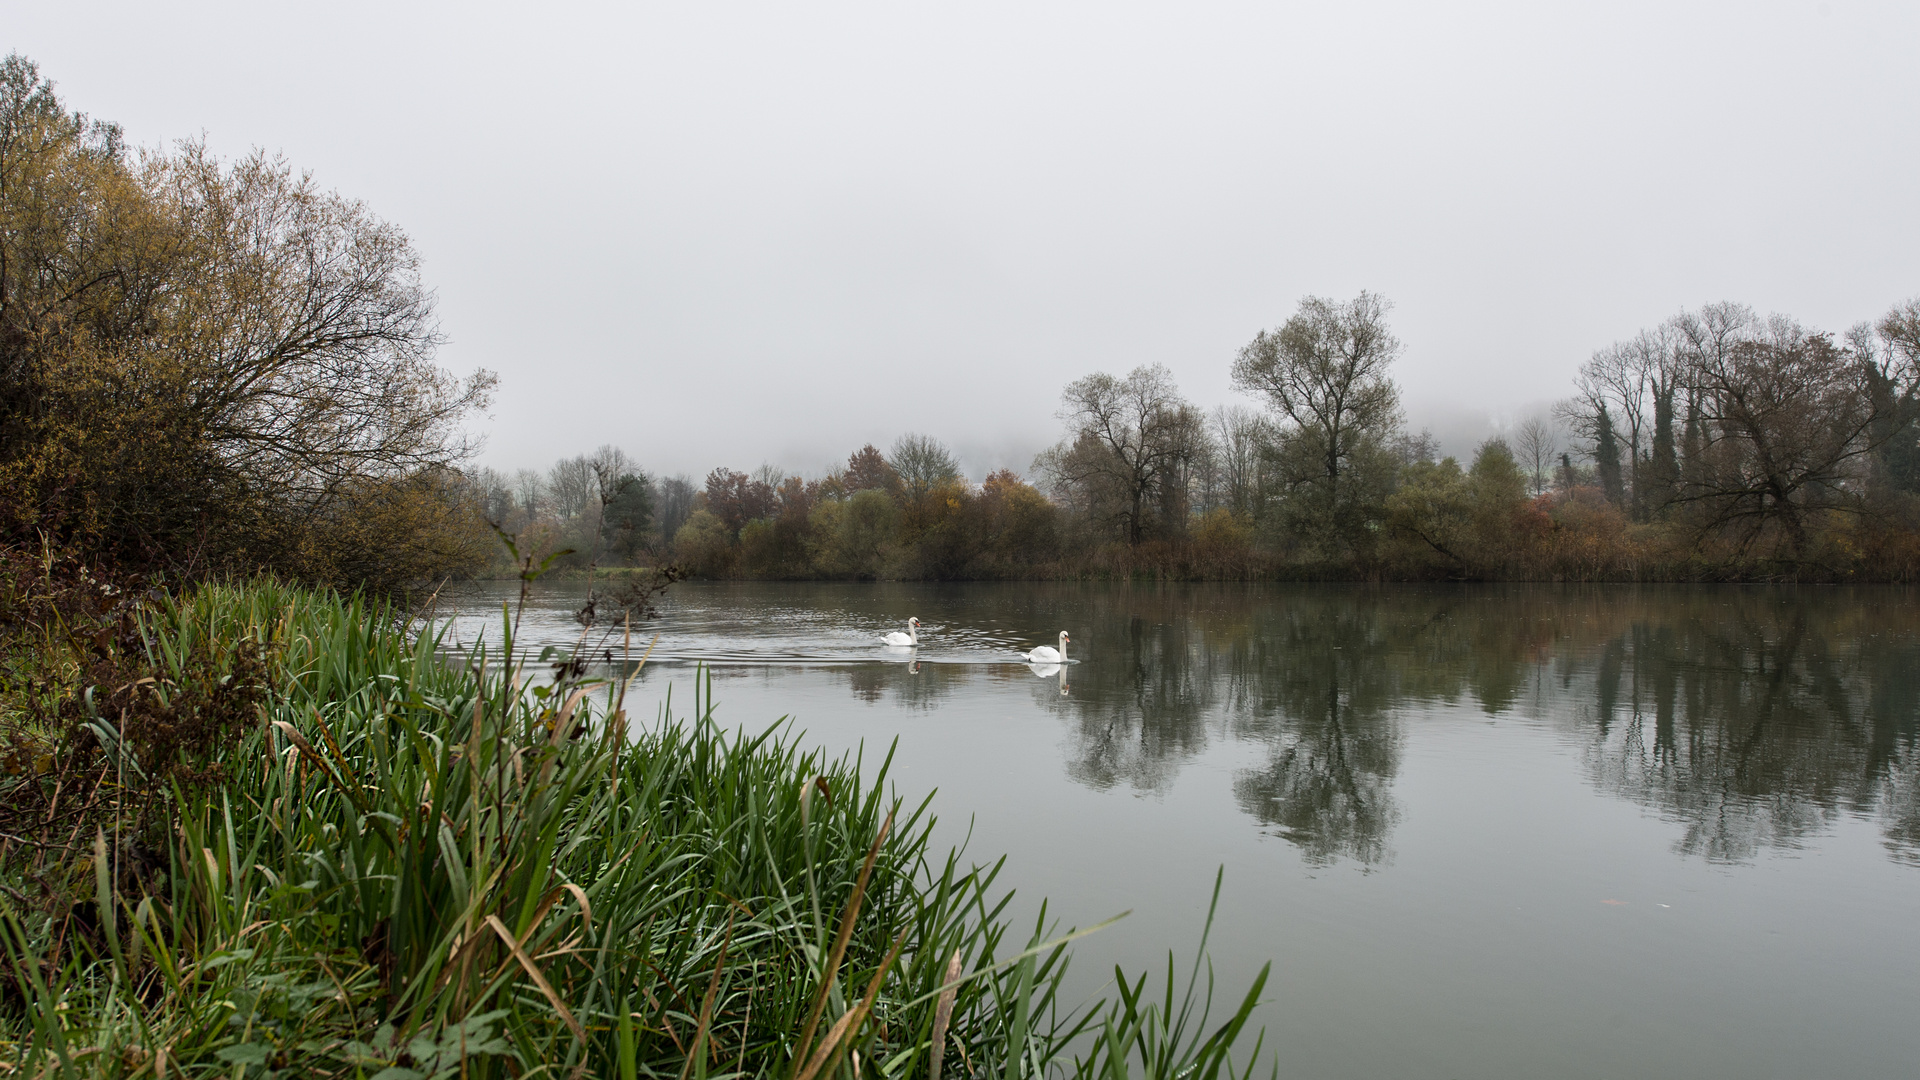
{"points": [[1717, 445], [1759, 439], [212, 366]]}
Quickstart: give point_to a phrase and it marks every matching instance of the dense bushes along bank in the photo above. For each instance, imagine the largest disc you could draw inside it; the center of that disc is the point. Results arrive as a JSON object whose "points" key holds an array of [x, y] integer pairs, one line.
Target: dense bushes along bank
{"points": [[303, 843]]}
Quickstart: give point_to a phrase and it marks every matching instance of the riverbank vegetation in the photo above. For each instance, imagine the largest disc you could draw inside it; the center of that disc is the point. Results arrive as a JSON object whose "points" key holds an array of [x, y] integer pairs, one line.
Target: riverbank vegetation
{"points": [[1717, 446], [256, 829], [212, 367], [261, 831]]}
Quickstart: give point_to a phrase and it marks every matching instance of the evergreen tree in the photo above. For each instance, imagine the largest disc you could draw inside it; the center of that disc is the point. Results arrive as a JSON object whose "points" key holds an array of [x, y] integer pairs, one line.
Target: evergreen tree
{"points": [[1692, 446], [1664, 465], [1606, 459]]}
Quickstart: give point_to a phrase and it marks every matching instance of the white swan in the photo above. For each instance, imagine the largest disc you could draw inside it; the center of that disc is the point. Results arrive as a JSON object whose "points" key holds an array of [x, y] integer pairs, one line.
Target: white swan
{"points": [[907, 640], [1047, 655]]}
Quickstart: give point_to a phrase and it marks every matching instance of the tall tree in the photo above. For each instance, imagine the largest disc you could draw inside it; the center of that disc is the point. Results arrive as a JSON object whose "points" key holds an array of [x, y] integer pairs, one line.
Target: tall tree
{"points": [[867, 470], [1663, 460], [1606, 457], [736, 498], [571, 486], [675, 506], [198, 356], [922, 464], [626, 514], [1894, 360], [1536, 444], [1127, 442], [1627, 382], [1789, 420], [529, 492], [1242, 438], [1324, 375]]}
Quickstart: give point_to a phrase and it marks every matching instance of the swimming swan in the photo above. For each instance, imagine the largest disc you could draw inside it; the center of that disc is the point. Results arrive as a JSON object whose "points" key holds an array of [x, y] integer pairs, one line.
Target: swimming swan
{"points": [[901, 641], [1047, 655]]}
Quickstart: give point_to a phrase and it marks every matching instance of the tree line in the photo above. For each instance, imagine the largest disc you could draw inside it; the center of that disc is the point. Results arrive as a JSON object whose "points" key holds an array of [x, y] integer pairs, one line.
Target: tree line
{"points": [[1719, 445], [213, 366], [908, 512]]}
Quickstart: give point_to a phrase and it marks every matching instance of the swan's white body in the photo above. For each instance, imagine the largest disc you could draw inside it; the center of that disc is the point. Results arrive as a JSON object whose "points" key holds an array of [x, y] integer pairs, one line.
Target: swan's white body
{"points": [[1046, 654], [907, 640]]}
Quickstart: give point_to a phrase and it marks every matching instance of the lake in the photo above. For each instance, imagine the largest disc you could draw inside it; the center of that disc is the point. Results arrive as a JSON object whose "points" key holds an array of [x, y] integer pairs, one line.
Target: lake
{"points": [[1480, 831]]}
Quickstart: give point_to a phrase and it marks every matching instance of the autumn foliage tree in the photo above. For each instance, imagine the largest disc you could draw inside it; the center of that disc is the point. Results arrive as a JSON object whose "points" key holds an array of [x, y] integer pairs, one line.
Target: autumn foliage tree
{"points": [[209, 364]]}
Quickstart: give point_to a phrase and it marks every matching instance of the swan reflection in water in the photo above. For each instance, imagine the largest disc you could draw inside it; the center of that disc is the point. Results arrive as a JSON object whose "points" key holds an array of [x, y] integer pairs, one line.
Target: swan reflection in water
{"points": [[1048, 671]]}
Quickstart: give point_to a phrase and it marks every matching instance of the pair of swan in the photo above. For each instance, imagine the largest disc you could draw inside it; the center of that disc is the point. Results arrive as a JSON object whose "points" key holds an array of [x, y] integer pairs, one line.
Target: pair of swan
{"points": [[1045, 654]]}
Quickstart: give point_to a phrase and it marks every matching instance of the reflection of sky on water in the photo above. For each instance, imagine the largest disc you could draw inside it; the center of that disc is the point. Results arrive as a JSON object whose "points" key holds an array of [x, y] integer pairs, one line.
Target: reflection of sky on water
{"points": [[1752, 718], [1498, 831]]}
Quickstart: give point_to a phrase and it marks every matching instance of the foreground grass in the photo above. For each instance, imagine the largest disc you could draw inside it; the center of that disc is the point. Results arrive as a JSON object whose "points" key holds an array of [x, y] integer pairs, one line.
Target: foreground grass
{"points": [[405, 869]]}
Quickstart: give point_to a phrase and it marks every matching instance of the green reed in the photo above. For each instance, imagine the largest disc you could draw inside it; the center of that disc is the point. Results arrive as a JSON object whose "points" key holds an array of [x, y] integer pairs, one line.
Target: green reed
{"points": [[421, 867]]}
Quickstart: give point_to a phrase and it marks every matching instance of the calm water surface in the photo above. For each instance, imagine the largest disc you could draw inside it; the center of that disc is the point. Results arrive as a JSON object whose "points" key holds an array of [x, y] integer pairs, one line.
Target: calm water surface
{"points": [[1480, 831]]}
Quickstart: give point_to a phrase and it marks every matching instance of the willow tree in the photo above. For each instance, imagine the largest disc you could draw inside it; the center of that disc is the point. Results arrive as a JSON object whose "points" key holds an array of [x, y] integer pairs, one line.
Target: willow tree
{"points": [[205, 361]]}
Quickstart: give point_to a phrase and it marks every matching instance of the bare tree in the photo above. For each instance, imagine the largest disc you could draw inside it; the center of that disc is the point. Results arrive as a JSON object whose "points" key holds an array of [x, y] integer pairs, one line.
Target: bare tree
{"points": [[1893, 377], [1414, 447], [1536, 444], [622, 501], [1781, 422], [571, 486], [494, 489], [530, 492], [335, 377], [1788, 421], [676, 505], [770, 474], [1241, 437], [922, 463], [609, 463], [1128, 442], [1624, 397]]}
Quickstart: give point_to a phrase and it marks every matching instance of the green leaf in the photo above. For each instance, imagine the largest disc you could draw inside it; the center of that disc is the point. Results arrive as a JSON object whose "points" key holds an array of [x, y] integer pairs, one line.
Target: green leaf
{"points": [[224, 958], [247, 1053]]}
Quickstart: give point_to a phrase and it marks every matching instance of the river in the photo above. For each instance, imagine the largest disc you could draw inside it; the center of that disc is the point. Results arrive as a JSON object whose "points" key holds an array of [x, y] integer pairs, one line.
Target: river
{"points": [[1480, 831]]}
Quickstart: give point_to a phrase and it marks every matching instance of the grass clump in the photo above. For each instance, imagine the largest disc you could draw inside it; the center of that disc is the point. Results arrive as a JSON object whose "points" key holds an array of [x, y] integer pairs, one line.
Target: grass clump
{"points": [[402, 867]]}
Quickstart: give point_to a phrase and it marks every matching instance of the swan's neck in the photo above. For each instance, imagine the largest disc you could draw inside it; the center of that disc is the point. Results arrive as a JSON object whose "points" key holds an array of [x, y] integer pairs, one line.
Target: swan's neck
{"points": [[1063, 646]]}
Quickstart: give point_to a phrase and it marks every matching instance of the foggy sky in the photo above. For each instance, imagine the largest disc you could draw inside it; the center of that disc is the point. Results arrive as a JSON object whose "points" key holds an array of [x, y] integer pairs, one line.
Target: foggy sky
{"points": [[729, 233]]}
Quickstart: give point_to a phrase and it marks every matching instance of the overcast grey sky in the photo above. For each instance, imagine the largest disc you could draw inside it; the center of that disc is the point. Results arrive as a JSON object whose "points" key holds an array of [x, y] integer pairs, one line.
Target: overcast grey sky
{"points": [[728, 233]]}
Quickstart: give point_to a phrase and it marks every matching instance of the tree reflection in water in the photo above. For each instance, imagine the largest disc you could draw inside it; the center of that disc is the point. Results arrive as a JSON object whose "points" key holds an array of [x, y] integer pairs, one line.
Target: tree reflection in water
{"points": [[1752, 717]]}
